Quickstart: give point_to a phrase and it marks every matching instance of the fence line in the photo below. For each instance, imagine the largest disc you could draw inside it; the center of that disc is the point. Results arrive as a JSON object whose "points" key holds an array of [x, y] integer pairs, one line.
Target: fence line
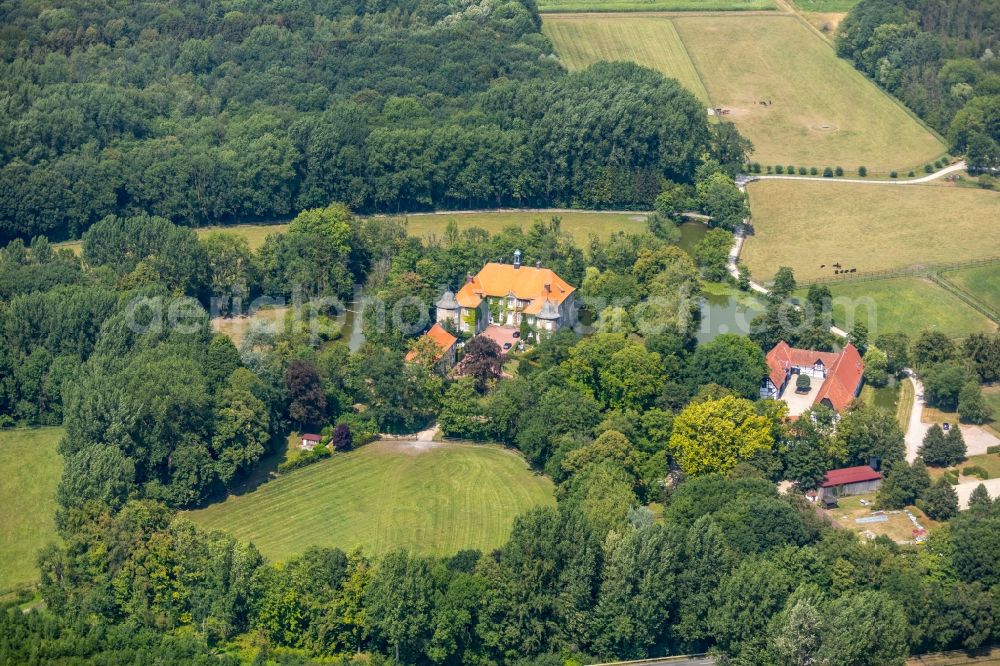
{"points": [[968, 299], [924, 269]]}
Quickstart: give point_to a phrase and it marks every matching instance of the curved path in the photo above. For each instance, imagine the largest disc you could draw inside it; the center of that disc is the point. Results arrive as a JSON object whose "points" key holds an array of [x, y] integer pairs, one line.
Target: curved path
{"points": [[958, 166]]}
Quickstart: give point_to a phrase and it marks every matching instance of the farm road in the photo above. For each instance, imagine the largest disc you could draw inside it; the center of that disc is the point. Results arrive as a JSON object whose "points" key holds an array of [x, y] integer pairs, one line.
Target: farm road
{"points": [[958, 166]]}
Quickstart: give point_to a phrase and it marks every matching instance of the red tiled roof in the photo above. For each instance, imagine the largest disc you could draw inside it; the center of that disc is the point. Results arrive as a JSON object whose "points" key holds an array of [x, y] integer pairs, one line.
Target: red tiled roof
{"points": [[841, 477], [441, 338], [843, 370], [309, 437], [843, 379]]}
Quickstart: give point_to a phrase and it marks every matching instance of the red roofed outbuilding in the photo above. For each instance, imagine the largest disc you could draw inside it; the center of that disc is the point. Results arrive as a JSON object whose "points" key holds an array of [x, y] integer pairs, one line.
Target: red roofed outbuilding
{"points": [[444, 341], [850, 481]]}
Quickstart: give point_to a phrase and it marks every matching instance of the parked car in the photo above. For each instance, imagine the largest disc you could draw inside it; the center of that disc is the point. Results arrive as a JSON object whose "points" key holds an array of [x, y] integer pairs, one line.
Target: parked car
{"points": [[945, 426], [517, 334], [506, 346]]}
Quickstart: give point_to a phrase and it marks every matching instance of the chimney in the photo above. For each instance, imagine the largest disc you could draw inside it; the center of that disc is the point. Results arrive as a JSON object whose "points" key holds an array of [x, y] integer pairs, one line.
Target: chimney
{"points": [[468, 277], [548, 287], [538, 263], [517, 258]]}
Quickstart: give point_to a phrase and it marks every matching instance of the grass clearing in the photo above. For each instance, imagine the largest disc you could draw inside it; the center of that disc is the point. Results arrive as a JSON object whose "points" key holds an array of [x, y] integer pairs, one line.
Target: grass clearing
{"points": [[580, 225], [31, 470], [652, 5], [840, 6], [820, 111], [583, 39], [897, 527], [809, 226], [980, 282], [904, 305], [428, 497]]}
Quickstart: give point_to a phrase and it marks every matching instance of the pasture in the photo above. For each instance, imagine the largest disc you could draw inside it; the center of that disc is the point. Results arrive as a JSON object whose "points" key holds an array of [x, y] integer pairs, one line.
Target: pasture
{"points": [[653, 5], [809, 226], [583, 39], [980, 282], [782, 85], [787, 91], [904, 305], [429, 497], [578, 224], [31, 470]]}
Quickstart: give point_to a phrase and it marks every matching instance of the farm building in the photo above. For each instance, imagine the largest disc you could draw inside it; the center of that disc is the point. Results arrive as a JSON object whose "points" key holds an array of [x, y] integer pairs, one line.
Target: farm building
{"points": [[839, 374], [309, 441], [445, 342], [849, 481], [507, 294]]}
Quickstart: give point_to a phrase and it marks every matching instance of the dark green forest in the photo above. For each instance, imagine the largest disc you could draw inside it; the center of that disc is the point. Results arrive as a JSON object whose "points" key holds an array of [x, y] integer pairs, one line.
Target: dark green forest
{"points": [[211, 111], [942, 59]]}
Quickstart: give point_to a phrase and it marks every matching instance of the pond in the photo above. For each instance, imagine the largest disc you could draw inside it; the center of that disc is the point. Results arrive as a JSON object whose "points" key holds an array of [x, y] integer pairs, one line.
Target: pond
{"points": [[353, 331], [725, 309], [691, 233]]}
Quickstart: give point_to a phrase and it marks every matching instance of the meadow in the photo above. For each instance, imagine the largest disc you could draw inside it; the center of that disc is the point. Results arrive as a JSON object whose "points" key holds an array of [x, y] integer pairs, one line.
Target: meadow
{"points": [[583, 39], [31, 470], [837, 6], [783, 86], [819, 110], [653, 5], [904, 305], [981, 282], [431, 498], [809, 226]]}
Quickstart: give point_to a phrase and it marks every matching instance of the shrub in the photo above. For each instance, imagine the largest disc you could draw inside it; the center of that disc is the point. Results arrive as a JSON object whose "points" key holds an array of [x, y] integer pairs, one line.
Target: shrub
{"points": [[951, 476], [893, 174], [828, 172], [977, 471], [803, 383], [911, 175], [862, 171], [755, 167], [342, 439], [778, 169], [790, 168], [363, 430], [928, 168], [939, 164], [803, 171], [813, 171], [769, 169], [305, 458], [838, 172], [993, 449]]}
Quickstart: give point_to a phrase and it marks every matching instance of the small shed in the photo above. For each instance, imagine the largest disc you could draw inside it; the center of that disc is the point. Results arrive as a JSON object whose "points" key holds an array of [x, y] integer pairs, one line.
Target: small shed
{"points": [[310, 441], [850, 481]]}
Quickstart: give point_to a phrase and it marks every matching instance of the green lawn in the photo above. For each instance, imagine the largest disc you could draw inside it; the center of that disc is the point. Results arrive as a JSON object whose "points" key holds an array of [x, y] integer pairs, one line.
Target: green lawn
{"points": [[982, 282], [825, 5], [431, 498], [810, 226], [652, 5], [820, 111], [904, 305], [31, 469], [583, 39]]}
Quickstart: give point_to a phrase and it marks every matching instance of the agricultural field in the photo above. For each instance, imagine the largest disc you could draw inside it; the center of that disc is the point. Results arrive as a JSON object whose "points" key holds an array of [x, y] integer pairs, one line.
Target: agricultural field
{"points": [[801, 105], [783, 86], [429, 497], [31, 469], [810, 226], [981, 282], [583, 39], [904, 305], [653, 5]]}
